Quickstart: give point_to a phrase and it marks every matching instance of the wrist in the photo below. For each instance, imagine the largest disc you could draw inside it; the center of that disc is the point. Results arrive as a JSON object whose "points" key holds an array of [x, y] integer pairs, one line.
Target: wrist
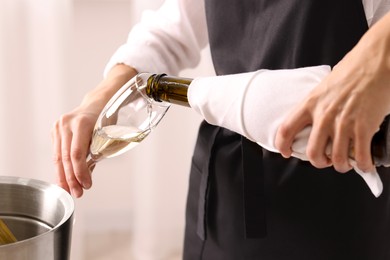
{"points": [[376, 42], [115, 79]]}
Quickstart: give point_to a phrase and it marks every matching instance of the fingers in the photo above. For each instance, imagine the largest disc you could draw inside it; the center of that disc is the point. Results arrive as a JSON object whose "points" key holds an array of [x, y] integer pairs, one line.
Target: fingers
{"points": [[341, 149], [362, 151], [288, 130], [75, 186], [352, 139], [317, 147], [316, 150], [79, 153], [331, 142], [70, 139], [59, 168]]}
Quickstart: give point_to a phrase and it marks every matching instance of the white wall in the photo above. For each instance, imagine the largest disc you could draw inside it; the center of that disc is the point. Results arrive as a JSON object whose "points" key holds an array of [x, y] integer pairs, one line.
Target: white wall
{"points": [[145, 189], [33, 51], [52, 53]]}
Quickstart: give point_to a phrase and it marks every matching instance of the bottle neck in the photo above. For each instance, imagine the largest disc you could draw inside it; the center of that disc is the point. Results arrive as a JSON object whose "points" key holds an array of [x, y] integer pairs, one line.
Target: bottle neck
{"points": [[170, 89]]}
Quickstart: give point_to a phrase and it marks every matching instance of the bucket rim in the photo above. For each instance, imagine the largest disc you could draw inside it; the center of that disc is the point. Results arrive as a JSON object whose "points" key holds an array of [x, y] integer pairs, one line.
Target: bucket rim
{"points": [[65, 198]]}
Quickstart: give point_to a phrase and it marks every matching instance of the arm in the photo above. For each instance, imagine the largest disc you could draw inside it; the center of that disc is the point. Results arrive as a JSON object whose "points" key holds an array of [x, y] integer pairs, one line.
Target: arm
{"points": [[347, 107], [166, 40]]}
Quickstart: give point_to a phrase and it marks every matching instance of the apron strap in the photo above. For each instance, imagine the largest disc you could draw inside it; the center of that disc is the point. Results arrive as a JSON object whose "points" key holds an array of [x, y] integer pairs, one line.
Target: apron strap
{"points": [[254, 195], [211, 132], [253, 187]]}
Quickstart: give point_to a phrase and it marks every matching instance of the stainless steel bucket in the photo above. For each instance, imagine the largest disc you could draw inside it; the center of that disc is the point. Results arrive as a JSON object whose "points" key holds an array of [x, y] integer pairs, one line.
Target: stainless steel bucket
{"points": [[40, 215]]}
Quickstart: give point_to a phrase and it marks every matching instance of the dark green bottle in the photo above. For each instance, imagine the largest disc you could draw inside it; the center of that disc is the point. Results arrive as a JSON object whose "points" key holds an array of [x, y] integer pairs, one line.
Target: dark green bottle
{"points": [[170, 89], [161, 87]]}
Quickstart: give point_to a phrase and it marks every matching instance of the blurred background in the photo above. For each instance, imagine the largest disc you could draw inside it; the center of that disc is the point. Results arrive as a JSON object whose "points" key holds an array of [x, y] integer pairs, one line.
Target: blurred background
{"points": [[52, 52]]}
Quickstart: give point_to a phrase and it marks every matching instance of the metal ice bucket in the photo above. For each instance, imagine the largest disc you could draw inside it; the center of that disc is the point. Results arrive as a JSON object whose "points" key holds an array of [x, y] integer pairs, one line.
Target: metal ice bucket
{"points": [[40, 215]]}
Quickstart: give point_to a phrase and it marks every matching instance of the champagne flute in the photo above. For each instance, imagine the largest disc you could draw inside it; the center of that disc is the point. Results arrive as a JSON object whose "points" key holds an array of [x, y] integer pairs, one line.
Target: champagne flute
{"points": [[127, 119]]}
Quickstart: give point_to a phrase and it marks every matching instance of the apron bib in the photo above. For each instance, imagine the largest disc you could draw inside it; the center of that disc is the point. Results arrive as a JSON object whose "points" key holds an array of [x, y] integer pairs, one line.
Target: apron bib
{"points": [[247, 203]]}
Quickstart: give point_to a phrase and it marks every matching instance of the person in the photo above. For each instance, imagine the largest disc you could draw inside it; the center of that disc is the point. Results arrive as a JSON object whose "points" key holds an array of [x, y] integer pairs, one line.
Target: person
{"points": [[245, 202]]}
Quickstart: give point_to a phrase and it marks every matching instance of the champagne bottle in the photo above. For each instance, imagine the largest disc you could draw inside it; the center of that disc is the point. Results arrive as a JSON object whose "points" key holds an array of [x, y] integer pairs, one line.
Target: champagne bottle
{"points": [[161, 87]]}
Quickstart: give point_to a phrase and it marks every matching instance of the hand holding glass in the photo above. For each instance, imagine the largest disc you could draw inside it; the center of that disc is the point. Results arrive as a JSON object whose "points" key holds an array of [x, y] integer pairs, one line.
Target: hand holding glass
{"points": [[125, 121]]}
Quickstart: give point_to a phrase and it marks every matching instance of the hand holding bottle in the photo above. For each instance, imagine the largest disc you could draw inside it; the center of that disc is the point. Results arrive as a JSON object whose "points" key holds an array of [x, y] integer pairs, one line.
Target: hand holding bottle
{"points": [[254, 105], [347, 107]]}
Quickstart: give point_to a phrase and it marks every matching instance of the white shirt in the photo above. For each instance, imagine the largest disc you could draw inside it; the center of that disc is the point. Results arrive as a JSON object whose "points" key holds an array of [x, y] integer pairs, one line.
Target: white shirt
{"points": [[171, 38]]}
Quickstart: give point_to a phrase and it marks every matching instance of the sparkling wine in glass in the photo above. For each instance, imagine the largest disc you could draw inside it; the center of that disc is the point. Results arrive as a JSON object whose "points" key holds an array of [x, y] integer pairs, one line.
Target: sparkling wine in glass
{"points": [[127, 119]]}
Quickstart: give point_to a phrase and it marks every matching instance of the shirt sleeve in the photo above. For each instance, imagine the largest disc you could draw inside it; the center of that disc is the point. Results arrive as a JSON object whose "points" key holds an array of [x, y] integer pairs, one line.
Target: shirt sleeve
{"points": [[375, 10], [166, 40]]}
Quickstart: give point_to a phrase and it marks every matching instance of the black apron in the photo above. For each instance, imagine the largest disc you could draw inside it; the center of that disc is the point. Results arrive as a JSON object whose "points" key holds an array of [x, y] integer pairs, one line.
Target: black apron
{"points": [[247, 203]]}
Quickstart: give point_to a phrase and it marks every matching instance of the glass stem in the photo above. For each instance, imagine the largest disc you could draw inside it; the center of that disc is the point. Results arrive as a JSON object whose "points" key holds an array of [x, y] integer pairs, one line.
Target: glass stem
{"points": [[91, 163]]}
